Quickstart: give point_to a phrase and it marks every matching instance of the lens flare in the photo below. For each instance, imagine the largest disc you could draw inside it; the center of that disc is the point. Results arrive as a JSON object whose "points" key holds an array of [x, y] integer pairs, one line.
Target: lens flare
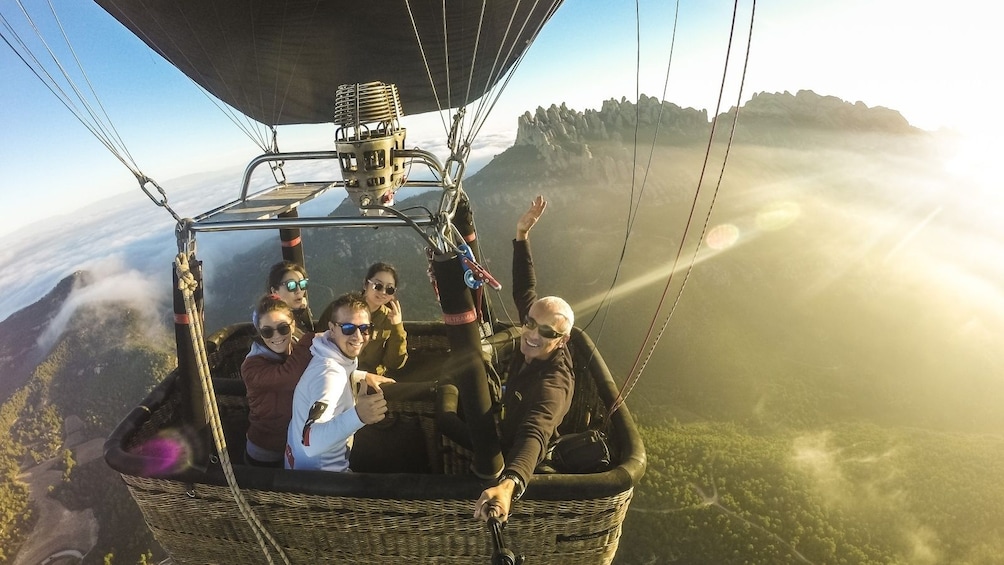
{"points": [[167, 452], [722, 236]]}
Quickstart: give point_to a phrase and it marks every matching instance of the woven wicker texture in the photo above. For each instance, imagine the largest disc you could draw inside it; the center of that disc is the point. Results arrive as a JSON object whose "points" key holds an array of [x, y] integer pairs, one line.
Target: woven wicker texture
{"points": [[201, 523]]}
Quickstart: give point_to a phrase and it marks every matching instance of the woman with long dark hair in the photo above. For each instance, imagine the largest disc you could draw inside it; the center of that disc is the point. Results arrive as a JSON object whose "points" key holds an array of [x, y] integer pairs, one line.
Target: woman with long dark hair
{"points": [[278, 357]]}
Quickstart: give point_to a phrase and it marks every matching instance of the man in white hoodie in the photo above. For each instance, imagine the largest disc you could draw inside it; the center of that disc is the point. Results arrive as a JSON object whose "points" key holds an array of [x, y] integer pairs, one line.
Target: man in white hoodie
{"points": [[333, 400]]}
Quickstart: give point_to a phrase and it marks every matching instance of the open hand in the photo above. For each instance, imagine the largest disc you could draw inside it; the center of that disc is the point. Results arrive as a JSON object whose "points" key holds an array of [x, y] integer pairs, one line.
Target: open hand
{"points": [[374, 380], [530, 217]]}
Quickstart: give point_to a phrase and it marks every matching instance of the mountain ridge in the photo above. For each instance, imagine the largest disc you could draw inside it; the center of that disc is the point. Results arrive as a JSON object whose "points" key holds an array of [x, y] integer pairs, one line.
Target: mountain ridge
{"points": [[562, 144], [20, 332], [783, 339], [562, 136]]}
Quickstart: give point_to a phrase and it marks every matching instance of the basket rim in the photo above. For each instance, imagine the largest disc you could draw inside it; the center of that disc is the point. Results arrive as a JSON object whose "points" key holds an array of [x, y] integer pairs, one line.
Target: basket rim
{"points": [[624, 476]]}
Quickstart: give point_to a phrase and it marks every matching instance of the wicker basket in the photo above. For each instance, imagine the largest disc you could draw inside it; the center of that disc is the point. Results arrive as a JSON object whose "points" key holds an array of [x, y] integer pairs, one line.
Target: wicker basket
{"points": [[368, 517]]}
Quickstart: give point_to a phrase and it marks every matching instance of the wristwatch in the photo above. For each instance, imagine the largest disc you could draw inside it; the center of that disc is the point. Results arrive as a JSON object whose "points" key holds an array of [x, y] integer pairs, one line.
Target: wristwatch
{"points": [[517, 491]]}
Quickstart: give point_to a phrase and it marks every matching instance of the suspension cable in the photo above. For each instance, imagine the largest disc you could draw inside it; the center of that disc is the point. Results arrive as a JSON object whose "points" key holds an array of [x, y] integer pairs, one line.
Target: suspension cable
{"points": [[76, 103], [187, 284], [639, 365], [492, 95], [658, 122], [425, 61], [474, 55], [632, 206], [254, 130], [497, 79], [491, 79], [86, 107]]}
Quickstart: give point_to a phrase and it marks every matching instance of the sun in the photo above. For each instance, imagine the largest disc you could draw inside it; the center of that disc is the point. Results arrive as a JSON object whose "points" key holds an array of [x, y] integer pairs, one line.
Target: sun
{"points": [[974, 158]]}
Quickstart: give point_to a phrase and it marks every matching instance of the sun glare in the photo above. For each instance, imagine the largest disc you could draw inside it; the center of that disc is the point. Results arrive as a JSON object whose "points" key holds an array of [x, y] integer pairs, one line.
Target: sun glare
{"points": [[778, 215], [974, 159]]}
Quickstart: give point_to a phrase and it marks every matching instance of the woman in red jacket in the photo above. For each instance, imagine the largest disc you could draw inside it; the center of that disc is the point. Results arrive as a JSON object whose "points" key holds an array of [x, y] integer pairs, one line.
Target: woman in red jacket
{"points": [[278, 356]]}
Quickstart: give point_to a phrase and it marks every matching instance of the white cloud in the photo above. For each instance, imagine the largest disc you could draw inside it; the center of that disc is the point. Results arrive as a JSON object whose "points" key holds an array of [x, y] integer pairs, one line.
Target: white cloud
{"points": [[129, 234], [129, 228], [114, 283]]}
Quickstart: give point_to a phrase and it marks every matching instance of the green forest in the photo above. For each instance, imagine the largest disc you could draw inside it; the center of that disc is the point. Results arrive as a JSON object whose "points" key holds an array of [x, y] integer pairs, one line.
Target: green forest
{"points": [[851, 494], [105, 361]]}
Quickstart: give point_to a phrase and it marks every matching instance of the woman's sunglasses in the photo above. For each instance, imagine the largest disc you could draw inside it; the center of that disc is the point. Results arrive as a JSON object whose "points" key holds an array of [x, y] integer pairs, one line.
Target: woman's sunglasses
{"points": [[544, 331], [292, 285], [349, 329], [267, 331], [380, 287]]}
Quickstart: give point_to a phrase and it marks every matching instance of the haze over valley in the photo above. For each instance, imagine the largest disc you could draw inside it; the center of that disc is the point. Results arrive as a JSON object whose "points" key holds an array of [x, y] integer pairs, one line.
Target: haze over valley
{"points": [[826, 390]]}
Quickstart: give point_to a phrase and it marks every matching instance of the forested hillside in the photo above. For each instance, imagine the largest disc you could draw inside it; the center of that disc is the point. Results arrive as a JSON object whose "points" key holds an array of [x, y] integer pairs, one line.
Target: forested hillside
{"points": [[853, 494], [106, 359]]}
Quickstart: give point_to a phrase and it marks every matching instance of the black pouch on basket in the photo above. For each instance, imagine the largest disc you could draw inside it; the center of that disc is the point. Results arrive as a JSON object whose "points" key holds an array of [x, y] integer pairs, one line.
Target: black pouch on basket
{"points": [[582, 452]]}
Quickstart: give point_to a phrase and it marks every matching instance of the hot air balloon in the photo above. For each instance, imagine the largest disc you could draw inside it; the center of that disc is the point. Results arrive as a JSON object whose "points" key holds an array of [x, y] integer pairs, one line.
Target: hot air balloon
{"points": [[360, 67]]}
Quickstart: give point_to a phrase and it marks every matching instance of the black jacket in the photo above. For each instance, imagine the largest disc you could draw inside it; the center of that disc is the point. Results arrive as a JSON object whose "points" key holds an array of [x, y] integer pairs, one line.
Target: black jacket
{"points": [[537, 395]]}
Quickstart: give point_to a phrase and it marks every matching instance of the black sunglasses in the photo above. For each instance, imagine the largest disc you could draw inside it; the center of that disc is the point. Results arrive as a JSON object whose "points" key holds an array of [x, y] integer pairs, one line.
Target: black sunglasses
{"points": [[544, 331], [291, 284], [349, 329], [267, 331], [380, 287]]}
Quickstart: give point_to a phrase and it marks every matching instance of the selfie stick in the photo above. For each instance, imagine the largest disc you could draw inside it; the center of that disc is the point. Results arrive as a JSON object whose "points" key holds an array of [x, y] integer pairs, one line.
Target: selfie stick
{"points": [[502, 555]]}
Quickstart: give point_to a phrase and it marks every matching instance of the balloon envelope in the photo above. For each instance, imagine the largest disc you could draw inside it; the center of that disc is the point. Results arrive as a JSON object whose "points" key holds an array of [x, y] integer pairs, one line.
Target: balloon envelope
{"points": [[280, 61]]}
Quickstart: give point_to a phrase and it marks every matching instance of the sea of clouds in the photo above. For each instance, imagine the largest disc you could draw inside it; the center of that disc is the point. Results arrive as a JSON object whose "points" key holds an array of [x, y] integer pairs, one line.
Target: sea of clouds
{"points": [[128, 244]]}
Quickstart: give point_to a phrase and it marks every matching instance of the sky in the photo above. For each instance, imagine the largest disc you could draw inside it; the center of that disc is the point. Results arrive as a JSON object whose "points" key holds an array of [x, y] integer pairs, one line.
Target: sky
{"points": [[934, 66]]}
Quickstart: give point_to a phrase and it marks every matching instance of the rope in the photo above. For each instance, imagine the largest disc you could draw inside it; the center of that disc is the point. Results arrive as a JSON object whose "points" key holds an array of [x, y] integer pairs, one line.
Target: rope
{"points": [[187, 285], [489, 95], [83, 103], [640, 363], [91, 116]]}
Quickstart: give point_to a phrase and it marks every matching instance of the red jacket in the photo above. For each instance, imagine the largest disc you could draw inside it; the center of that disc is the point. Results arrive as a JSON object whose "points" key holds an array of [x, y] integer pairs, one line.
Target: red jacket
{"points": [[270, 381]]}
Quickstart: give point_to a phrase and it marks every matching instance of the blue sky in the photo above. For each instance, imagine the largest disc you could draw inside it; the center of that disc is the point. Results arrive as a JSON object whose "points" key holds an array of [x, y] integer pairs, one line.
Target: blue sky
{"points": [[933, 65]]}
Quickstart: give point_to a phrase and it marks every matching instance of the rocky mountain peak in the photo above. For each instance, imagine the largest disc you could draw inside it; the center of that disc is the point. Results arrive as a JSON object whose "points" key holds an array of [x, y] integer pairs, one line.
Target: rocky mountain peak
{"points": [[565, 138], [810, 110]]}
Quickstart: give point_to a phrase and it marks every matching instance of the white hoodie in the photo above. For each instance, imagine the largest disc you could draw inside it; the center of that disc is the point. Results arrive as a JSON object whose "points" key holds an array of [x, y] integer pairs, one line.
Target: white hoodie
{"points": [[331, 378]]}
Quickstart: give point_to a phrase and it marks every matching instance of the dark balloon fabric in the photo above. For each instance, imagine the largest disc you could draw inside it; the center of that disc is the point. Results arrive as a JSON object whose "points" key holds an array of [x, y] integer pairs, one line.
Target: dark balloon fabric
{"points": [[281, 61]]}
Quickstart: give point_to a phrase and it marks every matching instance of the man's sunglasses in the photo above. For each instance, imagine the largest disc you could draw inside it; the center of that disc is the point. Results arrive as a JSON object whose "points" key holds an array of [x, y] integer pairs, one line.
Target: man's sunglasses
{"points": [[267, 331], [380, 287], [291, 285], [349, 329], [544, 331]]}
